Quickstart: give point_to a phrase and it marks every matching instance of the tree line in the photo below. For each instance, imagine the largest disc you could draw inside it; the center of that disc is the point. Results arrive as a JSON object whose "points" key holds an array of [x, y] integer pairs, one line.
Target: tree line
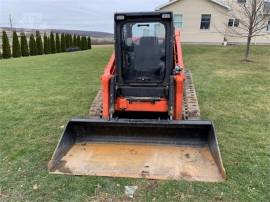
{"points": [[38, 45]]}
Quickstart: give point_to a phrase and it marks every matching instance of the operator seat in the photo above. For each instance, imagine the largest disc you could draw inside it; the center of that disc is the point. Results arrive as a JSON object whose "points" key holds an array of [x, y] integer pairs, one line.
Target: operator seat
{"points": [[148, 56]]}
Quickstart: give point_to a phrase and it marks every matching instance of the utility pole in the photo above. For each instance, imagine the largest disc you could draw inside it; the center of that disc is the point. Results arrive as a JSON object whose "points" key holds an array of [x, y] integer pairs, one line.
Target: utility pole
{"points": [[10, 22]]}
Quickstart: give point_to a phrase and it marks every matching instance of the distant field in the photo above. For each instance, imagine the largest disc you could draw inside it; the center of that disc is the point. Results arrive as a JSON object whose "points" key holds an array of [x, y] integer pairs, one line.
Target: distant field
{"points": [[38, 95]]}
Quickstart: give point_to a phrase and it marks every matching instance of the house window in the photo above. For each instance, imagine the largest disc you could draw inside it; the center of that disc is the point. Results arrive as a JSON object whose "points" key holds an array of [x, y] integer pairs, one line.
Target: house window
{"points": [[241, 1], [205, 21], [268, 26], [178, 21], [236, 22], [230, 23], [266, 8], [233, 22]]}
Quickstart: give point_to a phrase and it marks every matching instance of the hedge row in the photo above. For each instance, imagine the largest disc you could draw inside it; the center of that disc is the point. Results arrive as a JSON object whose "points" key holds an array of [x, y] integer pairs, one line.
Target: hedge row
{"points": [[36, 45]]}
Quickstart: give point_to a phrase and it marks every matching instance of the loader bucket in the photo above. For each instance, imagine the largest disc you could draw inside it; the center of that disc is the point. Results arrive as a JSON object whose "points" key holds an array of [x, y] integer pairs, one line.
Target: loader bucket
{"points": [[171, 150]]}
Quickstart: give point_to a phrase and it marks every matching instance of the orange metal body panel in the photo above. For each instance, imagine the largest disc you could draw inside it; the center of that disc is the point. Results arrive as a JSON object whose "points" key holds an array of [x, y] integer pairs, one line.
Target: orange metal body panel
{"points": [[122, 104], [179, 89], [105, 78], [179, 78], [178, 50]]}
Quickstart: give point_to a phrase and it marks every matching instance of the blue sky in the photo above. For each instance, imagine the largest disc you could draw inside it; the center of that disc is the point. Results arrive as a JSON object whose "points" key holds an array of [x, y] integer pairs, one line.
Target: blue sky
{"points": [[94, 15]]}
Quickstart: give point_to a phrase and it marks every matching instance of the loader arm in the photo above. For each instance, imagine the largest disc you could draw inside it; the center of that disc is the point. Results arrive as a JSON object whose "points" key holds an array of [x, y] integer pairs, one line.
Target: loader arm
{"points": [[105, 79]]}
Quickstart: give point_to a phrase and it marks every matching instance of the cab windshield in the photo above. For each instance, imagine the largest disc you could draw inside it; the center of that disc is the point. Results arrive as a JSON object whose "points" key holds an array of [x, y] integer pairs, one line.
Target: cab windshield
{"points": [[143, 52]]}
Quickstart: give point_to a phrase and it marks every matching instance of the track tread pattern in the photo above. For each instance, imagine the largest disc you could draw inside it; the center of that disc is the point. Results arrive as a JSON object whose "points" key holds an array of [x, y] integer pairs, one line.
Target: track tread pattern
{"points": [[191, 105], [96, 106]]}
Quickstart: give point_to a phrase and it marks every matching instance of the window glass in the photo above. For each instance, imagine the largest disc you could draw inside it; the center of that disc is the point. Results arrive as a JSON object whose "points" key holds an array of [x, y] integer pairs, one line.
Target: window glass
{"points": [[236, 22], [230, 23], [233, 22], [205, 21], [143, 52], [268, 26], [241, 1], [266, 8], [178, 21]]}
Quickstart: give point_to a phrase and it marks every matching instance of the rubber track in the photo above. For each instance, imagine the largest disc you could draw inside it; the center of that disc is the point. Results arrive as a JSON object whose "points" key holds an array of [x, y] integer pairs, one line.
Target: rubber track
{"points": [[191, 105], [96, 106], [191, 110]]}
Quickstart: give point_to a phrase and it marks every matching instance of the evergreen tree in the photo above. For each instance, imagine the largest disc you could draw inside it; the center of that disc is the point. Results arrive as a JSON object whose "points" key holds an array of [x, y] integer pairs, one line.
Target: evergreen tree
{"points": [[78, 41], [71, 40], [32, 45], [24, 46], [53, 48], [67, 41], [89, 43], [84, 43], [40, 49], [74, 40], [58, 45], [16, 47], [5, 46], [45, 42], [63, 43], [1, 56], [49, 44]]}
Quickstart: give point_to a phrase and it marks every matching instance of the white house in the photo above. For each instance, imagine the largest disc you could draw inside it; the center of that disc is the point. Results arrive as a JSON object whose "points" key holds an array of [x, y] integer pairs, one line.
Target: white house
{"points": [[213, 21]]}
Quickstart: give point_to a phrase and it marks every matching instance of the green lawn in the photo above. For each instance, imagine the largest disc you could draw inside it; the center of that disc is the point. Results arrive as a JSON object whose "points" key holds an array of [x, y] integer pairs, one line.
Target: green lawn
{"points": [[40, 94]]}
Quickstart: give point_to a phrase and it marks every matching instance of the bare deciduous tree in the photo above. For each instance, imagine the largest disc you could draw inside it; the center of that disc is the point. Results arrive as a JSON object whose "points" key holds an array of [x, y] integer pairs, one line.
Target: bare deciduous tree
{"points": [[252, 20]]}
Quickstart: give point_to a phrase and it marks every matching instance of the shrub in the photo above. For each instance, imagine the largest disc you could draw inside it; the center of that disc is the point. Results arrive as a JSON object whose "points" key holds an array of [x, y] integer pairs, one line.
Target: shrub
{"points": [[24, 46], [6, 46]]}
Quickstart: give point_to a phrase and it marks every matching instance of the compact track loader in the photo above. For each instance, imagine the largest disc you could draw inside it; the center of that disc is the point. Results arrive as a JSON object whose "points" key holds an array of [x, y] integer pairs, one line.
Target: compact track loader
{"points": [[144, 122]]}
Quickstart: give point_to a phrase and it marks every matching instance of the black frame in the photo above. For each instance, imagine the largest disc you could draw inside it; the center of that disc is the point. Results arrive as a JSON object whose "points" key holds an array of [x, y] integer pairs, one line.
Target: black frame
{"points": [[144, 17], [143, 91]]}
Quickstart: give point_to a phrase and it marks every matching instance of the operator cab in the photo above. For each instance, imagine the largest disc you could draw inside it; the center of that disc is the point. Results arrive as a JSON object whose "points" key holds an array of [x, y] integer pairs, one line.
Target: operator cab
{"points": [[144, 53]]}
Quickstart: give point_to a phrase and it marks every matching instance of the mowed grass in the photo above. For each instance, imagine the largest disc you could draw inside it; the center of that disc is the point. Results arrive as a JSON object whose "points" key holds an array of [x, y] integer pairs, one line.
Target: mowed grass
{"points": [[40, 94]]}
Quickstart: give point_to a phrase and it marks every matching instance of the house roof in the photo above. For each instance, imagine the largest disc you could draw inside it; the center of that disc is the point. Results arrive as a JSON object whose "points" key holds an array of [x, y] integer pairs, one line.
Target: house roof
{"points": [[220, 3]]}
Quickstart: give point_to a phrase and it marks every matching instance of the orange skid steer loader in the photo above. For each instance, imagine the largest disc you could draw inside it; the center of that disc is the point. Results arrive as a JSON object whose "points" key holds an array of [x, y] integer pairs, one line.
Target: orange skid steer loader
{"points": [[145, 121]]}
